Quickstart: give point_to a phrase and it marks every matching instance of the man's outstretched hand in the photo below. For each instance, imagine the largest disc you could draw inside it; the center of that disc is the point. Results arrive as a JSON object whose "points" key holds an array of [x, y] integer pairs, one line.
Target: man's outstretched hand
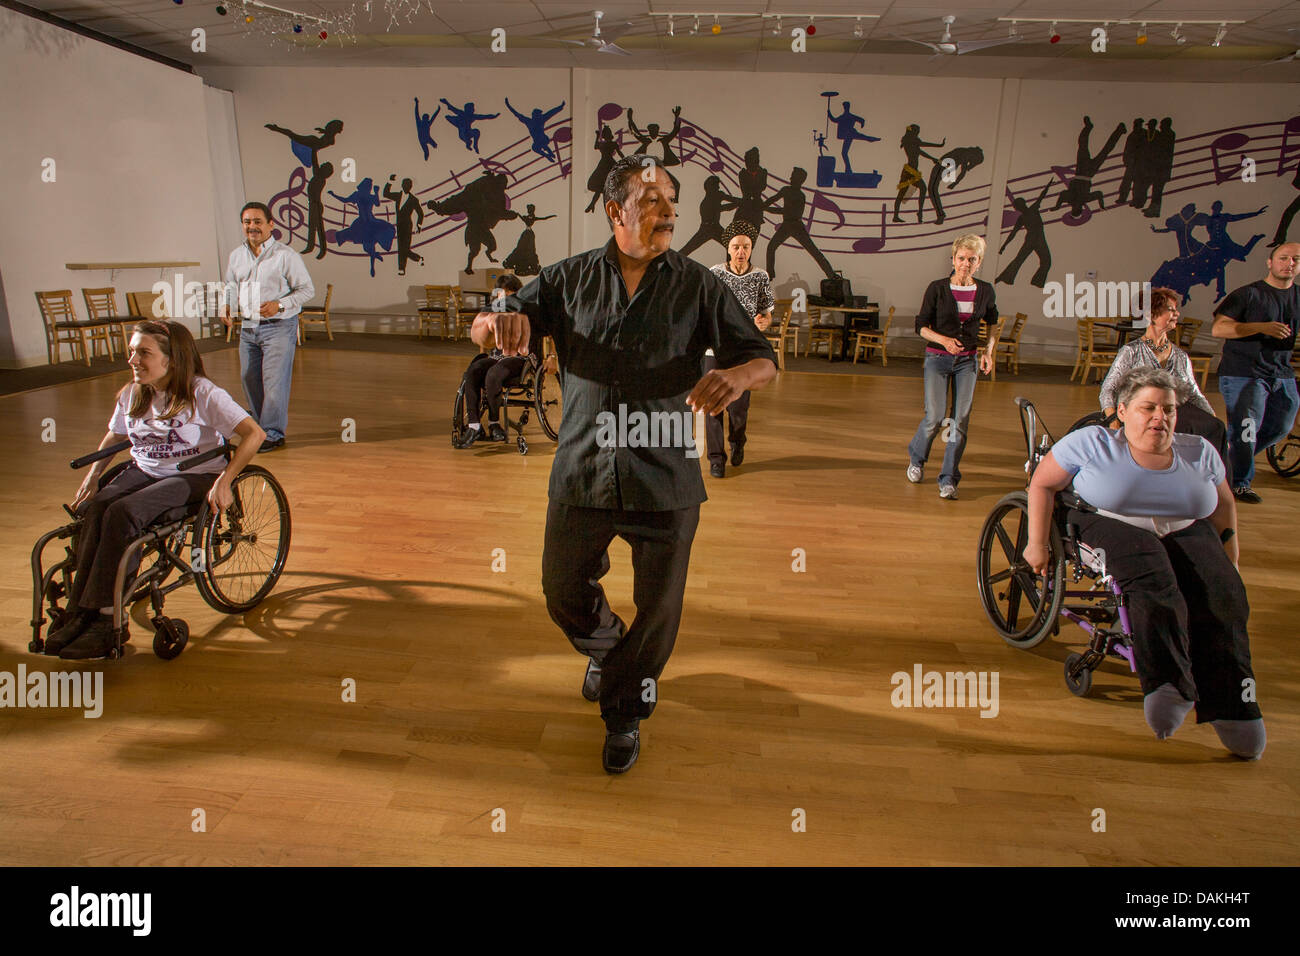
{"points": [[718, 389], [510, 331]]}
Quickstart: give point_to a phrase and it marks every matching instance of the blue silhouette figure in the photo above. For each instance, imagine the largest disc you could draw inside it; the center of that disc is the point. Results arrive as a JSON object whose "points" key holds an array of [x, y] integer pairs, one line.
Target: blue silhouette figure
{"points": [[536, 126], [424, 128], [366, 231], [306, 148], [464, 120], [846, 132], [1200, 263]]}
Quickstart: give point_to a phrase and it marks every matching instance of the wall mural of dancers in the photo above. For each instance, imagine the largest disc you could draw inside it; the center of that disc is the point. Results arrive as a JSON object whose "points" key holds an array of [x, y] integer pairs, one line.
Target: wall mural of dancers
{"points": [[1131, 171]]}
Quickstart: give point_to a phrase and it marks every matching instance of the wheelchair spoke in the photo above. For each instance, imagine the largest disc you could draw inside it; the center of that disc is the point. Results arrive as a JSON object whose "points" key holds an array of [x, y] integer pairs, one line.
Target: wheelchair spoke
{"points": [[1008, 549]]}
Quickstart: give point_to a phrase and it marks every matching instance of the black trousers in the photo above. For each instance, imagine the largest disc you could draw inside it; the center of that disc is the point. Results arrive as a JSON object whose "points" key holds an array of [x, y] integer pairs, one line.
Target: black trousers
{"points": [[1188, 610], [116, 515], [737, 420], [1197, 421], [576, 557], [488, 376]]}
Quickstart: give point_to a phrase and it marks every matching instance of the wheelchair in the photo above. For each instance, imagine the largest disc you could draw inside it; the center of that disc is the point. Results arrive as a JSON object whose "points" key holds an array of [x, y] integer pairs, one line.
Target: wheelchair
{"points": [[233, 557], [1025, 607], [1285, 455], [537, 389]]}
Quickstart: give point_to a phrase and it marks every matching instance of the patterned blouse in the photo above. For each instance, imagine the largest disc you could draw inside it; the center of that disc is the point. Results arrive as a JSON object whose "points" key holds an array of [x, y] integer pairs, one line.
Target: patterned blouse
{"points": [[753, 289], [1138, 353]]}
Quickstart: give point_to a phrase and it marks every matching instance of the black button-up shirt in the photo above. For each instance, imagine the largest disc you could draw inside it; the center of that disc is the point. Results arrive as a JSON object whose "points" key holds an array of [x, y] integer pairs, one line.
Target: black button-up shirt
{"points": [[623, 357]]}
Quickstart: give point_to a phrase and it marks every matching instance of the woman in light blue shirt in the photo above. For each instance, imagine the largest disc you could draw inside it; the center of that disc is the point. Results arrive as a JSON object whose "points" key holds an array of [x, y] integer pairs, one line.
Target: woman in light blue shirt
{"points": [[1166, 520]]}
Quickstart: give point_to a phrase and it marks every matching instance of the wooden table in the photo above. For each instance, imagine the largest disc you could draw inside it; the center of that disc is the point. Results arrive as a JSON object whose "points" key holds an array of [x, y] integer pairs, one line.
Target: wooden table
{"points": [[1122, 329], [869, 321]]}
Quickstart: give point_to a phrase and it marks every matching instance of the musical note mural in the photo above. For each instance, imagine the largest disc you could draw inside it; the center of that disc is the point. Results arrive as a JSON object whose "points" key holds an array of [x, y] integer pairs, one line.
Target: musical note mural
{"points": [[410, 217], [789, 202], [846, 131], [535, 123], [463, 118], [367, 231], [1078, 192], [523, 259], [483, 203]]}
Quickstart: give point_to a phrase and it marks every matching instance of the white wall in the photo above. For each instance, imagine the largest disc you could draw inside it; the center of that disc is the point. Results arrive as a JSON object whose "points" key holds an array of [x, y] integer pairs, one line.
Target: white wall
{"points": [[133, 175]]}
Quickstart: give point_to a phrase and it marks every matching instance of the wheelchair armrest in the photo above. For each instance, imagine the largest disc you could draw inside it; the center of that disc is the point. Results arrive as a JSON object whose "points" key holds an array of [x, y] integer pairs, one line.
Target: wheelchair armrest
{"points": [[1071, 500], [99, 455], [221, 451]]}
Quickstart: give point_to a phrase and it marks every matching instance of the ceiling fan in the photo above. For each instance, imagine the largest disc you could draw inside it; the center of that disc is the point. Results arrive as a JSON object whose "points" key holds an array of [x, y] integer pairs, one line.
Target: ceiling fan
{"points": [[947, 46], [606, 42]]}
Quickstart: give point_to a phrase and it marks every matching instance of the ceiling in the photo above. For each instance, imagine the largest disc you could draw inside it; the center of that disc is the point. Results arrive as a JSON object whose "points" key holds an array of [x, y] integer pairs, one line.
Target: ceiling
{"points": [[458, 34]]}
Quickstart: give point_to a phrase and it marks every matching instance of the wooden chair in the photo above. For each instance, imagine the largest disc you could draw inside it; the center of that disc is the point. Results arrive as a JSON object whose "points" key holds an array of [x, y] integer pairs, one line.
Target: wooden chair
{"points": [[101, 306], [868, 342], [1184, 335], [62, 327], [997, 337], [1009, 348], [316, 316], [793, 329], [820, 332], [1096, 353], [779, 336], [469, 303], [142, 305], [439, 304]]}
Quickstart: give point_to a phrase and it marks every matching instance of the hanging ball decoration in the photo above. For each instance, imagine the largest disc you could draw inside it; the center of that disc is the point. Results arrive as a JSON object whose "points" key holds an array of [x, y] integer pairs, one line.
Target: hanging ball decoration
{"points": [[324, 34], [716, 29], [248, 19], [812, 29], [178, 2], [1056, 38], [297, 28], [221, 11]]}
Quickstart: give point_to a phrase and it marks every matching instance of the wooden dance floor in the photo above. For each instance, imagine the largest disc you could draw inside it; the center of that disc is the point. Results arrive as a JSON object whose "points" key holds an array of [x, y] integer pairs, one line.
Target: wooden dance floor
{"points": [[468, 712]]}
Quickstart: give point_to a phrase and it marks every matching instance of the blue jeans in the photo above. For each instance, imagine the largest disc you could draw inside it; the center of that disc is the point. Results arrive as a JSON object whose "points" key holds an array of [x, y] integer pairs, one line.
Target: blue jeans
{"points": [[266, 361], [945, 374], [1271, 404]]}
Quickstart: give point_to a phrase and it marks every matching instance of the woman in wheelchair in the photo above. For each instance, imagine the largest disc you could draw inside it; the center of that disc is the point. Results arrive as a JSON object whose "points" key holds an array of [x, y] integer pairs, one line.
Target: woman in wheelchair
{"points": [[171, 412], [1156, 350], [1165, 521], [487, 376]]}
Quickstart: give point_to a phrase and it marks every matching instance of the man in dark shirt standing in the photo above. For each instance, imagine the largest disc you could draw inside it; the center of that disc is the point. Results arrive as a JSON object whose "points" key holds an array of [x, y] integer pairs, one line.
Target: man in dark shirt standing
{"points": [[1255, 375], [631, 322]]}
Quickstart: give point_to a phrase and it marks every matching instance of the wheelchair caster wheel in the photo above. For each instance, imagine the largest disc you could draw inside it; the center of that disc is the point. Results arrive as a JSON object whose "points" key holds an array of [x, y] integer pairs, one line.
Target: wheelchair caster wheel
{"points": [[523, 447], [114, 653], [36, 647], [1080, 684], [170, 637]]}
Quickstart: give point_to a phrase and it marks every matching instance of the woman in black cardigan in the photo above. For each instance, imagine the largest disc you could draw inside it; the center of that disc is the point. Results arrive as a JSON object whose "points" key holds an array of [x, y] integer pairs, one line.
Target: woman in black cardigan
{"points": [[949, 322]]}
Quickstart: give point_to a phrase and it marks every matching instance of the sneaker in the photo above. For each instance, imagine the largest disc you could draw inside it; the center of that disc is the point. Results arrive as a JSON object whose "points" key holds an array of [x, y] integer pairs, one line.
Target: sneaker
{"points": [[948, 490], [1245, 494], [70, 630], [93, 644], [915, 473], [621, 751], [470, 437], [591, 681], [497, 433]]}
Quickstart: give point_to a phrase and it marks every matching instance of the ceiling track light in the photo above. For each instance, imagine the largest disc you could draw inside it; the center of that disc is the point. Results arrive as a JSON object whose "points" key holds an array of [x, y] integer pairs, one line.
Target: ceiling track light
{"points": [[1176, 33], [1142, 35], [1218, 37], [696, 27], [1014, 32], [776, 30], [857, 28]]}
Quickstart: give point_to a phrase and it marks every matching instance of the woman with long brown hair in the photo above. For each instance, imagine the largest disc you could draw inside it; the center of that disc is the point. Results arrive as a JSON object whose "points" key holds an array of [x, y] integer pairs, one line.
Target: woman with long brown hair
{"points": [[171, 412]]}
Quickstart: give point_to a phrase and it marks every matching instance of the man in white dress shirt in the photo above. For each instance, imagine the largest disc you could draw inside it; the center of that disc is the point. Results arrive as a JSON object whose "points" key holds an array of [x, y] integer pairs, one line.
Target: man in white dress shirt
{"points": [[272, 285]]}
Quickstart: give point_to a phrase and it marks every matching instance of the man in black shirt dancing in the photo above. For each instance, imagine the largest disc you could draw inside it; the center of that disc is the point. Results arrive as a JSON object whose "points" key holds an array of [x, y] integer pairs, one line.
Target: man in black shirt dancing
{"points": [[631, 322]]}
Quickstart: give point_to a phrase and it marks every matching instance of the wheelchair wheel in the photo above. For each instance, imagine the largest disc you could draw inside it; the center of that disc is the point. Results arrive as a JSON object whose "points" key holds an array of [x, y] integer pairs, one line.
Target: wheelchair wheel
{"points": [[1285, 455], [170, 637], [550, 406], [243, 550], [459, 420], [1021, 604], [1078, 677]]}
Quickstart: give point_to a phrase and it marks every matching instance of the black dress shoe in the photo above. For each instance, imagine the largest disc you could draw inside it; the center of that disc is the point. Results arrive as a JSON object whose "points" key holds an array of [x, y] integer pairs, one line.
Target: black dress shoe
{"points": [[737, 454], [621, 751], [718, 471], [591, 681], [470, 437], [93, 644], [71, 629], [497, 433], [271, 444]]}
